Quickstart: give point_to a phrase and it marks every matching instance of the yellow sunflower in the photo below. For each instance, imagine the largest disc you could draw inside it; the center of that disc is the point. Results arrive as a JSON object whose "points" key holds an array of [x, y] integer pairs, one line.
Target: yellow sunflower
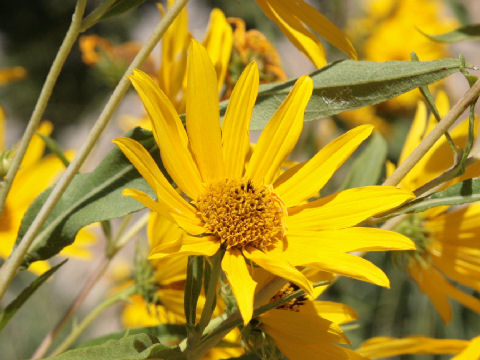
{"points": [[300, 21], [36, 173], [386, 347], [447, 246], [243, 208]]}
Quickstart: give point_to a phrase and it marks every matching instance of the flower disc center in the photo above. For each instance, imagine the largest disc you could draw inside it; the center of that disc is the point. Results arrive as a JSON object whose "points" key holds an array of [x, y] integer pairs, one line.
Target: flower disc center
{"points": [[240, 214]]}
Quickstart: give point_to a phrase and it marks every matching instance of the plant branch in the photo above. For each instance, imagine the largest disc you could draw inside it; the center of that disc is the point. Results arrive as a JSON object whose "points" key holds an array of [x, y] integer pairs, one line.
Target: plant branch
{"points": [[9, 268], [78, 330], [42, 101], [51, 336], [470, 96]]}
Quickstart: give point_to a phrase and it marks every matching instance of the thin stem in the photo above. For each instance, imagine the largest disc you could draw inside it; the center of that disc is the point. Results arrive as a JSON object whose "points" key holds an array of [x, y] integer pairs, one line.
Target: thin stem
{"points": [[51, 336], [92, 18], [402, 170], [78, 330], [41, 105], [9, 268], [132, 231]]}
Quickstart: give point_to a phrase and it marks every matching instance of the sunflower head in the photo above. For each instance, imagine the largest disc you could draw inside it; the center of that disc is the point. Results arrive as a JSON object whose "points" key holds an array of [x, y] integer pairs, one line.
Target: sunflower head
{"points": [[241, 214]]}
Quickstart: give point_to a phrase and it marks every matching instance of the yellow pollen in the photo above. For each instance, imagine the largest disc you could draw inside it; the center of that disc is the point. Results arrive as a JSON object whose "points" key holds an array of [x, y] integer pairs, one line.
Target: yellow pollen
{"points": [[242, 215]]}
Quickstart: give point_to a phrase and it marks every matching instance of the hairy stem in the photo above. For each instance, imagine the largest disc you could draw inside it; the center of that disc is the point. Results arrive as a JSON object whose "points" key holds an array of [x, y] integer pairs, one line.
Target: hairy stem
{"points": [[403, 169], [9, 268]]}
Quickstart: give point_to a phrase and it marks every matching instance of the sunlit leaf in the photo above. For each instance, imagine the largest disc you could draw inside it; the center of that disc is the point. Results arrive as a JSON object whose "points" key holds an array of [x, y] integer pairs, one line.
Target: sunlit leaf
{"points": [[467, 32]]}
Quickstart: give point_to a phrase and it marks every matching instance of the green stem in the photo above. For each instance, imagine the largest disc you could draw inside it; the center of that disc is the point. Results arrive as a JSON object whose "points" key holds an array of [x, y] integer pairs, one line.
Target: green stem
{"points": [[41, 105], [434, 135], [79, 329], [92, 18], [9, 268]]}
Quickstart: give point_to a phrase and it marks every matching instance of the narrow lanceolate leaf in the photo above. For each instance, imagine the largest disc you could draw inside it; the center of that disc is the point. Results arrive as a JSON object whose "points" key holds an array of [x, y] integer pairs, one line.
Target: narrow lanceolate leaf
{"points": [[132, 347], [464, 192], [121, 6], [166, 333], [348, 84], [15, 305], [468, 32], [193, 287], [91, 197], [367, 167]]}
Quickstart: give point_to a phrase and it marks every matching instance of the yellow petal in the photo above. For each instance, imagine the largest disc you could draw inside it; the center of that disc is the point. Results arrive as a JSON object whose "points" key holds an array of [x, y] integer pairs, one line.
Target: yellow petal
{"points": [[416, 133], [203, 119], [303, 252], [432, 283], [169, 134], [191, 245], [243, 286], [236, 139], [280, 135], [386, 347], [275, 263], [317, 22], [355, 239], [471, 352], [147, 167], [297, 33], [218, 43], [346, 208], [315, 173], [335, 312]]}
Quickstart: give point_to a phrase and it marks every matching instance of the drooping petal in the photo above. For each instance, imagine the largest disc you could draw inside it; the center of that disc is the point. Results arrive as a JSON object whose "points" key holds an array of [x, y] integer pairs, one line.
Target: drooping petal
{"points": [[169, 135], [303, 252], [354, 239], [346, 208], [315, 173], [243, 286], [218, 43], [275, 263], [236, 139], [317, 22], [202, 114], [280, 135], [297, 33], [386, 347], [146, 166]]}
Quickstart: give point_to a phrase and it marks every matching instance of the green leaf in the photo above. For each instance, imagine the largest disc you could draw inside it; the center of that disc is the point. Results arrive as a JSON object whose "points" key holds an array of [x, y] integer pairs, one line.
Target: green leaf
{"points": [[461, 193], [55, 148], [459, 10], [467, 32], [368, 166], [132, 347], [17, 303], [165, 333], [193, 287], [121, 6], [348, 85], [91, 197]]}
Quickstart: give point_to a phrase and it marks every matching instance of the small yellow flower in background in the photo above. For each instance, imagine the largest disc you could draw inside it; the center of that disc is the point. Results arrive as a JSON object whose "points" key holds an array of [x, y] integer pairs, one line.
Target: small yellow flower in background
{"points": [[299, 20], [8, 75], [36, 173], [447, 242], [387, 347], [389, 31], [243, 208]]}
